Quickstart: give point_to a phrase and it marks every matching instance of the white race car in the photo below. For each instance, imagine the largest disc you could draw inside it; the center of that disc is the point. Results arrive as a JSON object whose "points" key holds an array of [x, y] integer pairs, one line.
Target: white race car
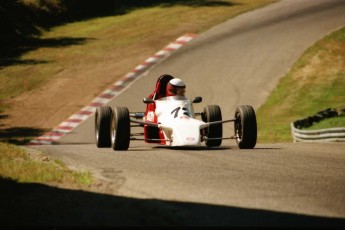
{"points": [[171, 121]]}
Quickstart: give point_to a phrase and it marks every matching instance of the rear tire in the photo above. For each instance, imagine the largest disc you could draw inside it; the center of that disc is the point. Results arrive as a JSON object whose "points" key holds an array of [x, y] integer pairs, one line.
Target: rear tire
{"points": [[213, 113], [245, 127], [102, 126], [120, 129]]}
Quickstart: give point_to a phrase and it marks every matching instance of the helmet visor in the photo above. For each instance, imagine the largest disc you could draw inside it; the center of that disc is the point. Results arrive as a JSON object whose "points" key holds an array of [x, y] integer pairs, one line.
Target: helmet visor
{"points": [[180, 91], [177, 91]]}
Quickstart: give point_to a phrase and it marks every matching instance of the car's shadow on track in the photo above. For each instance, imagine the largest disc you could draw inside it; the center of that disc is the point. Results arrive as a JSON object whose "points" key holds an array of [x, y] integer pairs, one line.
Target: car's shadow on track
{"points": [[193, 148], [39, 205], [220, 148], [148, 147]]}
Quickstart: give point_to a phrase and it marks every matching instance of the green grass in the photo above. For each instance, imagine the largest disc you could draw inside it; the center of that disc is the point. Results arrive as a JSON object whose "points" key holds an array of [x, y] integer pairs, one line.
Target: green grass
{"points": [[16, 164], [334, 122], [125, 39], [316, 82]]}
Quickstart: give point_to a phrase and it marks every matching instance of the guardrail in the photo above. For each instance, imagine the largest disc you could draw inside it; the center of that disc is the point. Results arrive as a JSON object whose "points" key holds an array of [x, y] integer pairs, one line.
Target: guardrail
{"points": [[320, 135]]}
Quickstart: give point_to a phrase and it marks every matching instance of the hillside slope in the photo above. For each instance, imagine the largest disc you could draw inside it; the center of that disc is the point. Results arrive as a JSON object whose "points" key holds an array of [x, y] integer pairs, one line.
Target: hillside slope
{"points": [[67, 66]]}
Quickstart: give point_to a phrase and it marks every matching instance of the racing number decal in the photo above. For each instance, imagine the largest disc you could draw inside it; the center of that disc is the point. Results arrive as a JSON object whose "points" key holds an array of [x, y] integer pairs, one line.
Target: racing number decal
{"points": [[178, 109], [175, 111]]}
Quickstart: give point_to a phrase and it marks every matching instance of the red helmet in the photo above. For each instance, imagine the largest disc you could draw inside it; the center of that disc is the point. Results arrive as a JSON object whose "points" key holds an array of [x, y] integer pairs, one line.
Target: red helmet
{"points": [[176, 87]]}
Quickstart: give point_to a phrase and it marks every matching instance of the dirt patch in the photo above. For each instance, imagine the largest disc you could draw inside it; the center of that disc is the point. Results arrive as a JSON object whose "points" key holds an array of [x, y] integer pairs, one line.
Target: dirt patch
{"points": [[82, 59], [66, 93]]}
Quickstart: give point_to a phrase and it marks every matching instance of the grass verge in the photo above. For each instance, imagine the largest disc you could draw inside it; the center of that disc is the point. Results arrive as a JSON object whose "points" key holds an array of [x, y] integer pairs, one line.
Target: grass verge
{"points": [[81, 47], [27, 166], [328, 123], [315, 82]]}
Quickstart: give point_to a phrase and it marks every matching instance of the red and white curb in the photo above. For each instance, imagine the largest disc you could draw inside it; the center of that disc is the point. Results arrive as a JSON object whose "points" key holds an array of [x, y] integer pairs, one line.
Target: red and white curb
{"points": [[111, 92]]}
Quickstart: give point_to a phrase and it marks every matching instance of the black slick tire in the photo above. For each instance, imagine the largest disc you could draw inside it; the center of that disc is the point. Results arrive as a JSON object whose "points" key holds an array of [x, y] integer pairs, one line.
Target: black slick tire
{"points": [[213, 113], [245, 127], [102, 126], [120, 129]]}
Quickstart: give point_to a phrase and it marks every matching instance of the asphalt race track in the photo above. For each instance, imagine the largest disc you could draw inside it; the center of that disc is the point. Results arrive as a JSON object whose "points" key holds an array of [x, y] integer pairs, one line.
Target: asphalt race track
{"points": [[237, 62]]}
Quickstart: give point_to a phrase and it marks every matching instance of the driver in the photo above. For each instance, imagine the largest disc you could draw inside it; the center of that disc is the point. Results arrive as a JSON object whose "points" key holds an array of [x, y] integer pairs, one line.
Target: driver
{"points": [[176, 87]]}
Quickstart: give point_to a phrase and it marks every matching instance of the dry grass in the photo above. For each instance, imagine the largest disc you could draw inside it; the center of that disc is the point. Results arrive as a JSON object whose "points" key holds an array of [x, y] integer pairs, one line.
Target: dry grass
{"points": [[83, 58], [31, 166], [316, 82]]}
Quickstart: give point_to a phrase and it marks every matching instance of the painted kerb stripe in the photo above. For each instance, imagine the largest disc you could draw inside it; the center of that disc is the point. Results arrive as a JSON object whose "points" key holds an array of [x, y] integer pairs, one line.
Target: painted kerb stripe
{"points": [[111, 92]]}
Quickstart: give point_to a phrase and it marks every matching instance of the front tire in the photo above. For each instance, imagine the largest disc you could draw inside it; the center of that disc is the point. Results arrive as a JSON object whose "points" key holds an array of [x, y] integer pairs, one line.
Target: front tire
{"points": [[245, 127], [213, 113], [102, 126], [120, 129]]}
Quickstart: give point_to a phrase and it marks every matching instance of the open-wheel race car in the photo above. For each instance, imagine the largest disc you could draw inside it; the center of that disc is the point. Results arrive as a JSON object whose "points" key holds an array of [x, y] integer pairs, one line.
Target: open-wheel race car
{"points": [[172, 121]]}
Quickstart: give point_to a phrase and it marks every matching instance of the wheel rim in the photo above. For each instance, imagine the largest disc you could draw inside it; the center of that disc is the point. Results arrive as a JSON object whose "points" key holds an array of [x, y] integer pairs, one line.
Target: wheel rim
{"points": [[238, 128], [113, 131], [97, 127]]}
